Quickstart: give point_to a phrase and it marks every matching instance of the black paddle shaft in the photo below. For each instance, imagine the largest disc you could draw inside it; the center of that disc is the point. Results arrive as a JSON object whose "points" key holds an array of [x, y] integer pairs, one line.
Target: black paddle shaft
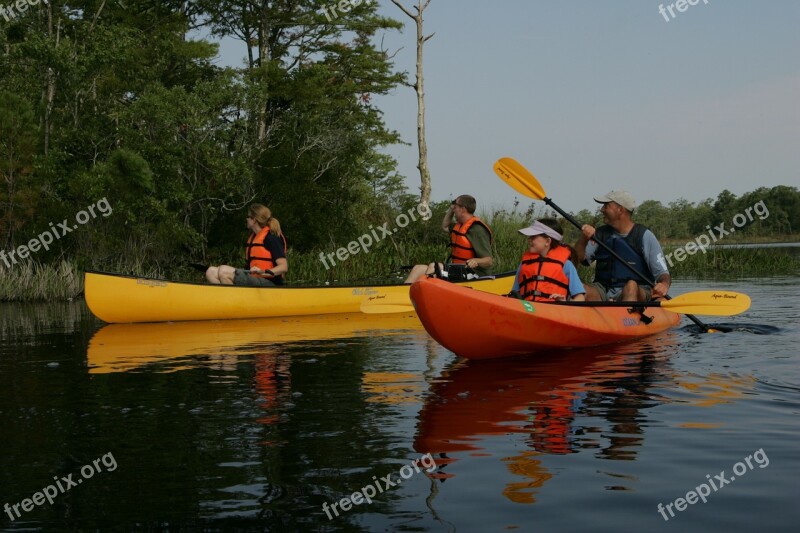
{"points": [[608, 249]]}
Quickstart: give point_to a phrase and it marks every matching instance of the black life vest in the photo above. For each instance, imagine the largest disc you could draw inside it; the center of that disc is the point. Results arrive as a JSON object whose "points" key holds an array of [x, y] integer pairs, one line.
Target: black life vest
{"points": [[609, 271]]}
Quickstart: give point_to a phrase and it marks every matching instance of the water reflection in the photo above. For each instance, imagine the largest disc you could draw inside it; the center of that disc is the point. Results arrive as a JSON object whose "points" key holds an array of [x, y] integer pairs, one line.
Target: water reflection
{"points": [[527, 466], [177, 346], [392, 387], [273, 384], [540, 399], [580, 401], [535, 396]]}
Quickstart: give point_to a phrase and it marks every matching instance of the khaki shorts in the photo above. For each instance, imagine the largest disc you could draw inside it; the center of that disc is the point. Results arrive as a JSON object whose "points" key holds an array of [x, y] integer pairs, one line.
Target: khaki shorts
{"points": [[612, 294], [244, 278]]}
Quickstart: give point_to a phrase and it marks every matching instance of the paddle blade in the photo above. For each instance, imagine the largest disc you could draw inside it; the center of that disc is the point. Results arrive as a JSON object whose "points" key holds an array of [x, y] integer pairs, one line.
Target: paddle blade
{"points": [[718, 303], [386, 303], [519, 178]]}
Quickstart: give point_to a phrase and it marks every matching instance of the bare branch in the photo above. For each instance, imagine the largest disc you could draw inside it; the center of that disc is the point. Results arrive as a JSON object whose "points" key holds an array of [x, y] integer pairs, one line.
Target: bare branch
{"points": [[406, 11]]}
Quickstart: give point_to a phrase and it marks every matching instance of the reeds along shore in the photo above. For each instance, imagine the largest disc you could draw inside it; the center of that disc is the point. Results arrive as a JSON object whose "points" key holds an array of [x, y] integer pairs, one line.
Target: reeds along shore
{"points": [[384, 262]]}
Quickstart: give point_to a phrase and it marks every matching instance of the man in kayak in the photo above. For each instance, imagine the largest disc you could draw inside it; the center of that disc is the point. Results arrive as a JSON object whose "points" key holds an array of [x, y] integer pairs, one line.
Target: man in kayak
{"points": [[634, 243], [265, 254], [546, 272], [470, 244]]}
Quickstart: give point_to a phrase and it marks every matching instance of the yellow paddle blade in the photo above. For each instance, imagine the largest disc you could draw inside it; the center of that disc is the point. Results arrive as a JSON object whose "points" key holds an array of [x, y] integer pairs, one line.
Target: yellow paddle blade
{"points": [[386, 303], [719, 303], [519, 178]]}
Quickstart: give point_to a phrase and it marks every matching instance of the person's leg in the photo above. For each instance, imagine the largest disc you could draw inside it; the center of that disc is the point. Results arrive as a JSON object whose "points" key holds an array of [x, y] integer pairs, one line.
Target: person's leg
{"points": [[212, 275], [432, 269], [646, 293], [243, 278], [417, 272], [595, 292], [631, 292], [226, 274]]}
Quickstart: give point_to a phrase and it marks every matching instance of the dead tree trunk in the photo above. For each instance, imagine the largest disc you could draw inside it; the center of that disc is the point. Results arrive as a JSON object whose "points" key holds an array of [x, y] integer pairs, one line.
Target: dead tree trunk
{"points": [[419, 87]]}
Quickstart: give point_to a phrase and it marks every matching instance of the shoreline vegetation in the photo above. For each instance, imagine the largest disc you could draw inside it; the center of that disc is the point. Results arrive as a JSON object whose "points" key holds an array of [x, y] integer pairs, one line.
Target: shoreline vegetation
{"points": [[425, 242]]}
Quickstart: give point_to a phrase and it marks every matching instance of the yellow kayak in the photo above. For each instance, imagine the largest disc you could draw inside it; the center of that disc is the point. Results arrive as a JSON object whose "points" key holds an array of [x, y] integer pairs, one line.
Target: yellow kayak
{"points": [[124, 347], [116, 298]]}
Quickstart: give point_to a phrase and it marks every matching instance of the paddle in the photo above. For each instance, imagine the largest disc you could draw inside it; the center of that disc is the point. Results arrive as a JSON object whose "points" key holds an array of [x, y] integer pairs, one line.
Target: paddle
{"points": [[521, 180], [719, 303], [386, 303]]}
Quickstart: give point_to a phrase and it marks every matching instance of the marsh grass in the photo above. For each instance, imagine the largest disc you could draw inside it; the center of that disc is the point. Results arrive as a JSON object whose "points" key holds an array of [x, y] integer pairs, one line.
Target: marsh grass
{"points": [[731, 263], [391, 259], [31, 281], [385, 262], [59, 281]]}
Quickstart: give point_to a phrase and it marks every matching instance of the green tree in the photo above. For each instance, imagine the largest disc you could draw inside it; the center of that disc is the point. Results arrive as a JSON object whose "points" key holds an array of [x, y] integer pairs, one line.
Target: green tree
{"points": [[18, 133], [312, 124], [655, 216]]}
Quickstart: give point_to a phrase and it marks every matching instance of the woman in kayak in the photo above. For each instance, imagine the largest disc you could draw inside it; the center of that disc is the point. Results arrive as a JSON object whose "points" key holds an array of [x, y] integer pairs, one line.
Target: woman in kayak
{"points": [[265, 254], [546, 272]]}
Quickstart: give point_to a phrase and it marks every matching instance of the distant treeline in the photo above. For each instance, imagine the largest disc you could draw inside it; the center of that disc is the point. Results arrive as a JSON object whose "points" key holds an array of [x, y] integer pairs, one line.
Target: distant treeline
{"points": [[765, 212]]}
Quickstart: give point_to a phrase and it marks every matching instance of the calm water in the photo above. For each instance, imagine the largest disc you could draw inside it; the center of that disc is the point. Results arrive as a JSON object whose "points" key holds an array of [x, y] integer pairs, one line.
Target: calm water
{"points": [[255, 425]]}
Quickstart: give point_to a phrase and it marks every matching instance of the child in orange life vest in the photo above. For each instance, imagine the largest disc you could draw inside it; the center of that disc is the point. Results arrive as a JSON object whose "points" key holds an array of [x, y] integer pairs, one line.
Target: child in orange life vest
{"points": [[546, 272]]}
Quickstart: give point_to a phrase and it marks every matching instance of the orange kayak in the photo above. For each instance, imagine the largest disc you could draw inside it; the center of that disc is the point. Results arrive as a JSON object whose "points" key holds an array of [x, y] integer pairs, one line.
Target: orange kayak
{"points": [[479, 325]]}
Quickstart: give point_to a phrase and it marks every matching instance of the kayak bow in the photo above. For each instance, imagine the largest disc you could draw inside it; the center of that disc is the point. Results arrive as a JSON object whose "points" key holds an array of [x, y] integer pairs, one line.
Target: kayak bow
{"points": [[477, 325]]}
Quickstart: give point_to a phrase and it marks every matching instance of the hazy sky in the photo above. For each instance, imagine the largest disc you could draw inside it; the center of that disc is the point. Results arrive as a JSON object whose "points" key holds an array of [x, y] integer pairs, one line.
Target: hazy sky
{"points": [[593, 96]]}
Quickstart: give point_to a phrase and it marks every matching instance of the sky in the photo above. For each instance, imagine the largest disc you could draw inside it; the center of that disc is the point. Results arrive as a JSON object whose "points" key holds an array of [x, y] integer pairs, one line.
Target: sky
{"points": [[592, 96]]}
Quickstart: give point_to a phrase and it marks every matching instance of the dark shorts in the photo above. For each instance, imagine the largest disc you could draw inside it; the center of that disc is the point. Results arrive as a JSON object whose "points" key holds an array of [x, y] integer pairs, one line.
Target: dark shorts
{"points": [[244, 278], [607, 294], [460, 272], [456, 271]]}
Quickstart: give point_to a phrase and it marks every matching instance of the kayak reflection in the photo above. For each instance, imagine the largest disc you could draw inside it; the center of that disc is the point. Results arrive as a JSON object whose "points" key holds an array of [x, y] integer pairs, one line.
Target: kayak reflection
{"points": [[125, 347], [541, 398], [536, 396], [594, 400]]}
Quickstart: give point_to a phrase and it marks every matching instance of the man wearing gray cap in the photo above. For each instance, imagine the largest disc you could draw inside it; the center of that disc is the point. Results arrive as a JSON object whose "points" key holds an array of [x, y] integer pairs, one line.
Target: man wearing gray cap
{"points": [[633, 242]]}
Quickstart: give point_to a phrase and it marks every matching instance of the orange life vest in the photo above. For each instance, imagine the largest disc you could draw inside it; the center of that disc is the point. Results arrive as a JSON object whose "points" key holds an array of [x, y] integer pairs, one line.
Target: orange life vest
{"points": [[257, 254], [540, 276], [460, 246]]}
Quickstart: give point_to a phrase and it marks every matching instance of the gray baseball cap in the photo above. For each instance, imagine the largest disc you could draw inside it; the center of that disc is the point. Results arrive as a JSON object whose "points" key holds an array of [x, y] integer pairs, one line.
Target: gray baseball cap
{"points": [[623, 198]]}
